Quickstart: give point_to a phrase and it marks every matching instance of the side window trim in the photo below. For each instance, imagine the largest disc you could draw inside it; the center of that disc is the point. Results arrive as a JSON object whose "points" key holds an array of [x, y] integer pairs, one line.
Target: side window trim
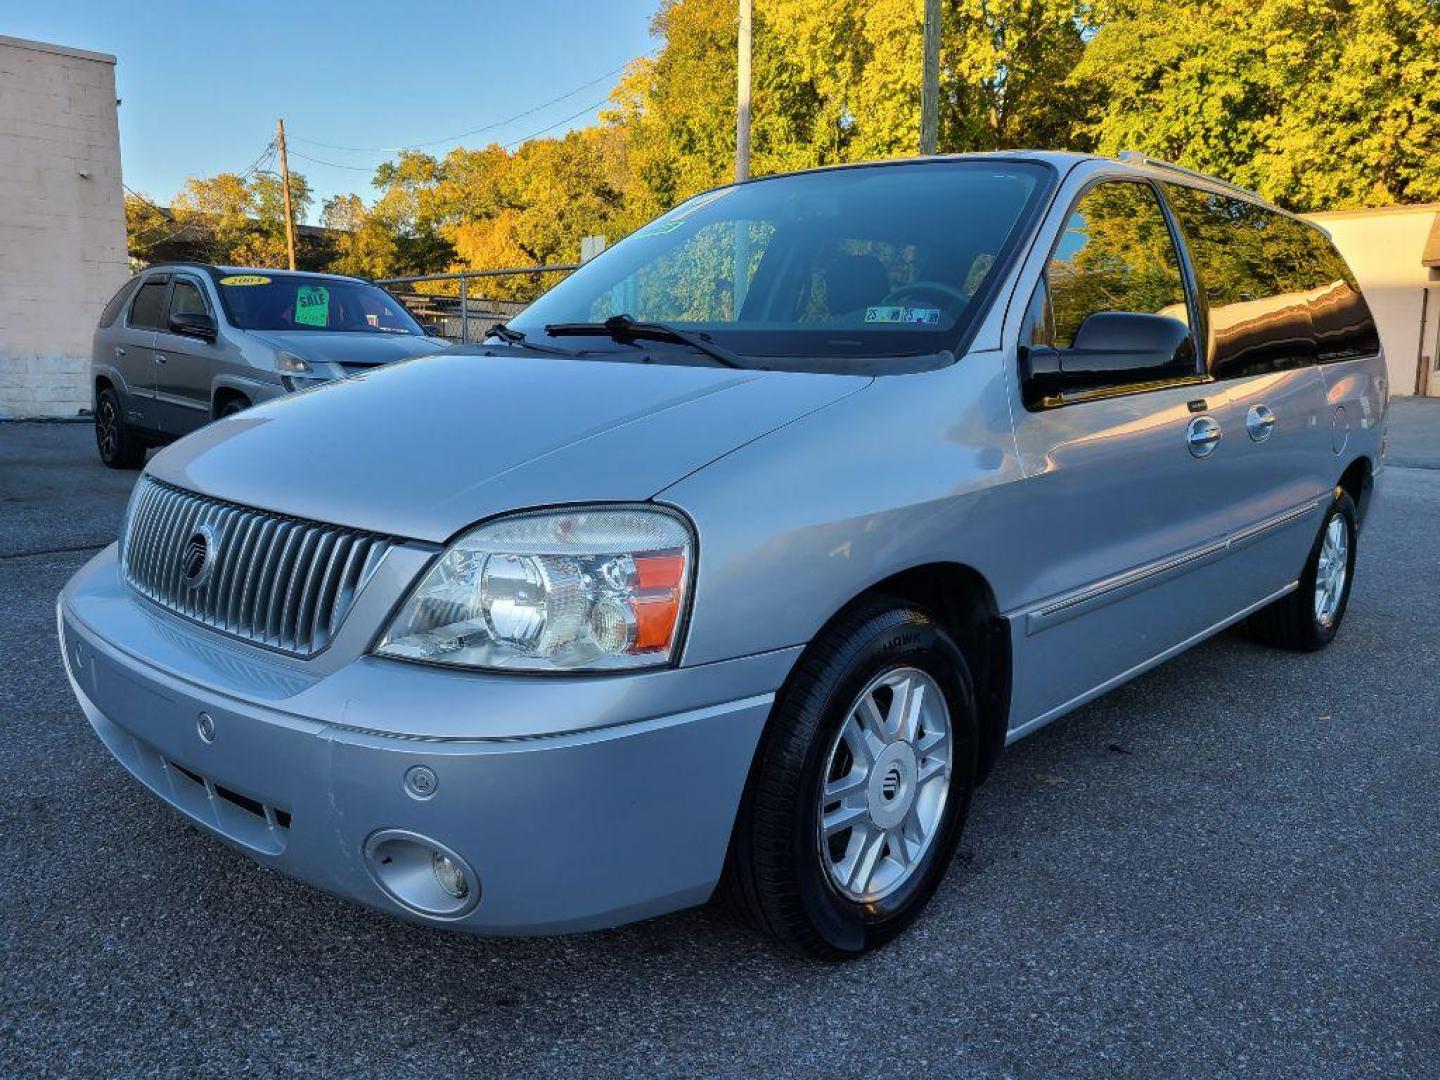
{"points": [[1201, 375], [1195, 298], [195, 283], [153, 279]]}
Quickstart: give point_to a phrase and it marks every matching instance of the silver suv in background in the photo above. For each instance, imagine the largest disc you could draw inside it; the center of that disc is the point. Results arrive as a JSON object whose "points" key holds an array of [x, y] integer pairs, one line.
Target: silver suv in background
{"points": [[184, 343], [737, 558]]}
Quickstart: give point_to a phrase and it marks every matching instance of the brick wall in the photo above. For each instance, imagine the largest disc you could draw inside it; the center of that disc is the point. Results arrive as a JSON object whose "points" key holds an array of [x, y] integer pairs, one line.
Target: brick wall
{"points": [[62, 221]]}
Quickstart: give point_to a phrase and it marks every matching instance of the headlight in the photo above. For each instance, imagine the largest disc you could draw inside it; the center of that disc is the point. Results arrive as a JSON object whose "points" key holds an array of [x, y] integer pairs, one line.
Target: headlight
{"points": [[592, 589], [297, 373], [291, 364]]}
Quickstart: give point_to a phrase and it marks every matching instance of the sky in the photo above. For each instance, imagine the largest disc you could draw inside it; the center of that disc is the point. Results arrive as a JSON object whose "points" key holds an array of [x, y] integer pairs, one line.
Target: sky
{"points": [[201, 83]]}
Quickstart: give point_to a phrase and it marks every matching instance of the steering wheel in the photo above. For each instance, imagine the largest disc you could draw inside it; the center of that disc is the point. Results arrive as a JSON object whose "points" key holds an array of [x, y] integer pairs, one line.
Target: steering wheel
{"points": [[932, 287]]}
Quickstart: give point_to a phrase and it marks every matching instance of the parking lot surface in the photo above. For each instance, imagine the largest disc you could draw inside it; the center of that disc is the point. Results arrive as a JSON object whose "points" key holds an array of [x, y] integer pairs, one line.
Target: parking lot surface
{"points": [[1231, 865]]}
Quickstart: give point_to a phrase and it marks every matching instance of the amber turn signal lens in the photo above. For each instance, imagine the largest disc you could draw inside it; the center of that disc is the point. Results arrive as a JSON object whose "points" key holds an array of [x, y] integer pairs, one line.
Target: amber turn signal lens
{"points": [[661, 579]]}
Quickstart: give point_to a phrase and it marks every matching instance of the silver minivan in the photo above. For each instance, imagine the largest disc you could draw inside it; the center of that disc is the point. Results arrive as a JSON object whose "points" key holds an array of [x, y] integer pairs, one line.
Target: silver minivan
{"points": [[735, 560], [184, 343]]}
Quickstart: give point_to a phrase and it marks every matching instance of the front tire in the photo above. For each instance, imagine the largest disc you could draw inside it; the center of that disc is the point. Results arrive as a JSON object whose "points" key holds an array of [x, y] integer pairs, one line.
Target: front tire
{"points": [[860, 787], [231, 407], [1309, 618], [118, 445]]}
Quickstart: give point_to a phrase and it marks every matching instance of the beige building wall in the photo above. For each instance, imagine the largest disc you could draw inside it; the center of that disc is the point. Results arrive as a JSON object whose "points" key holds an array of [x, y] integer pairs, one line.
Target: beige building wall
{"points": [[62, 221], [1384, 248]]}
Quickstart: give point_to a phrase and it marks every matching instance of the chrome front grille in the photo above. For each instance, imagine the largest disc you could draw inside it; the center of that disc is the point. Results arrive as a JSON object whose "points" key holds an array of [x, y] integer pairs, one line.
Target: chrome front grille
{"points": [[273, 580]]}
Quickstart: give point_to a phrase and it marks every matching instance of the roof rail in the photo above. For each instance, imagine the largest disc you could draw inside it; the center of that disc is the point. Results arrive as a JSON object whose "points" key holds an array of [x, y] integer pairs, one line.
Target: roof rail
{"points": [[1135, 157]]}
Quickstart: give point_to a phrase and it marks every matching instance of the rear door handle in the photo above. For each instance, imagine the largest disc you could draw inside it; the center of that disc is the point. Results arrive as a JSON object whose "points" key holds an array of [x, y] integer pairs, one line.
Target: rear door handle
{"points": [[1260, 422], [119, 350], [1203, 435], [160, 358]]}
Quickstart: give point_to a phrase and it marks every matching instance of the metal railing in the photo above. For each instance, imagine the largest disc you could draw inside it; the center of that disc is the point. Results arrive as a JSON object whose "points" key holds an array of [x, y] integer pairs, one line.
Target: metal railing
{"points": [[465, 313]]}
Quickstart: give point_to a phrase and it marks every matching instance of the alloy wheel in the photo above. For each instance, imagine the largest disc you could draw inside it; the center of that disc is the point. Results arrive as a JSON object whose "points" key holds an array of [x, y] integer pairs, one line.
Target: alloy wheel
{"points": [[882, 799], [107, 430], [1331, 571]]}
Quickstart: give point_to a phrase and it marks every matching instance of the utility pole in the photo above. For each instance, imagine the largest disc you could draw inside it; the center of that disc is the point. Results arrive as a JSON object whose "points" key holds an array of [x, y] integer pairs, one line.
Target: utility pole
{"points": [[930, 80], [742, 96], [285, 182], [740, 265]]}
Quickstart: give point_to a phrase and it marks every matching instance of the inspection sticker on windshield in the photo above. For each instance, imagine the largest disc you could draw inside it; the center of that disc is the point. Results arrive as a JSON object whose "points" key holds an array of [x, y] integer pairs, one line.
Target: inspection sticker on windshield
{"points": [[919, 316], [312, 305], [245, 279]]}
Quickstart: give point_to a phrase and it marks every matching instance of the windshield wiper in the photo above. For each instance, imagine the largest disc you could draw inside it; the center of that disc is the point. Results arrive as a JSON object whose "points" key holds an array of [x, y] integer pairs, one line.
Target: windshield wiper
{"points": [[517, 338], [623, 328]]}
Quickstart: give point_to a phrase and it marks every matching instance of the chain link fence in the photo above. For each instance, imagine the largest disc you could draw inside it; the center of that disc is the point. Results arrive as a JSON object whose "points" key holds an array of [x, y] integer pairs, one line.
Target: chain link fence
{"points": [[460, 307]]}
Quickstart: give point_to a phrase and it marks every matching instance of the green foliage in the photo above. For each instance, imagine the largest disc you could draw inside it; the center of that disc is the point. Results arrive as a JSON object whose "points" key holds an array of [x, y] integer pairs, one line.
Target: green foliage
{"points": [[237, 220], [1317, 104]]}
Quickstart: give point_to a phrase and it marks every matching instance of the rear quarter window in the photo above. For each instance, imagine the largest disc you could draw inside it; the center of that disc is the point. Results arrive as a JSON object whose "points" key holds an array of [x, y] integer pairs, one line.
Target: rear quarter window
{"points": [[147, 313], [117, 303], [1344, 326]]}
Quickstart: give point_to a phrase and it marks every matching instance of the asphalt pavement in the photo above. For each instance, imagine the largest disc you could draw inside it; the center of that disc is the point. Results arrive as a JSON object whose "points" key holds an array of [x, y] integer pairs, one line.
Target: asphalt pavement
{"points": [[1230, 866]]}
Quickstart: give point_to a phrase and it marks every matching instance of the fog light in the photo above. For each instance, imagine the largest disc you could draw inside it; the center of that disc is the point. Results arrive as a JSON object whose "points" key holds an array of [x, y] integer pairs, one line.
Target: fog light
{"points": [[450, 876], [421, 874]]}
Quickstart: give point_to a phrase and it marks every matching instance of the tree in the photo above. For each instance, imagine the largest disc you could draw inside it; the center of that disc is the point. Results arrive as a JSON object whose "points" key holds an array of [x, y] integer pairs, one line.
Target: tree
{"points": [[1317, 104], [363, 245], [231, 219], [840, 82]]}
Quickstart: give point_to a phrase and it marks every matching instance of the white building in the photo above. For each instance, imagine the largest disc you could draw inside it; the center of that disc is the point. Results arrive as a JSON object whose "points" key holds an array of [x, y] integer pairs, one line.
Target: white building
{"points": [[1395, 253], [62, 221]]}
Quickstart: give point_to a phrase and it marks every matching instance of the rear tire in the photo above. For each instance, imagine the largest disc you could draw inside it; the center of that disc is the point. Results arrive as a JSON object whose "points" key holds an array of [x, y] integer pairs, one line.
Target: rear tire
{"points": [[119, 446], [832, 890], [1310, 616]]}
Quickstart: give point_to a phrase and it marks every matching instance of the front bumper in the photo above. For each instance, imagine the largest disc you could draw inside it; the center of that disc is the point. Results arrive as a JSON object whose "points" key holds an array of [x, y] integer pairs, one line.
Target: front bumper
{"points": [[570, 820]]}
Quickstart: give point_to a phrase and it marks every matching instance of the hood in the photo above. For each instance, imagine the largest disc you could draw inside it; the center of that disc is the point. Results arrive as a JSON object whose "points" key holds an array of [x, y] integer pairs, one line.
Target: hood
{"points": [[425, 448], [351, 348]]}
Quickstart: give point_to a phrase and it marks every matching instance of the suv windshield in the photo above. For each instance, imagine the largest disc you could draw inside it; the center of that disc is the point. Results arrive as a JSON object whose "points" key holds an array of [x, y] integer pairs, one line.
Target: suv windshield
{"points": [[815, 271], [277, 301]]}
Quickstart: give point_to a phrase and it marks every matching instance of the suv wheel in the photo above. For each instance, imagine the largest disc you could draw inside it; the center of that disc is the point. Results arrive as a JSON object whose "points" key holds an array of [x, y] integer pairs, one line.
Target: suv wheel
{"points": [[860, 787], [118, 445], [1308, 618]]}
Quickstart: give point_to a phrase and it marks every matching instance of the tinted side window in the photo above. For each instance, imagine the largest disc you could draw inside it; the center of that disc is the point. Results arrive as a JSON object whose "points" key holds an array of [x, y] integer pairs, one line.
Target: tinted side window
{"points": [[1257, 271], [1115, 254], [186, 298], [117, 303], [1344, 327], [148, 311]]}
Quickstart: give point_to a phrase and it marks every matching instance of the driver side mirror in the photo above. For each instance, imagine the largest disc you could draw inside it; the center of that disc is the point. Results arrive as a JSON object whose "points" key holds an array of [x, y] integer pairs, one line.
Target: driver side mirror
{"points": [[1112, 348], [193, 324]]}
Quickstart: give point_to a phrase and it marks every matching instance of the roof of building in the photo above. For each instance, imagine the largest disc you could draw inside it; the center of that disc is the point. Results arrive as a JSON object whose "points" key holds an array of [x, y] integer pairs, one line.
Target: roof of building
{"points": [[57, 50], [1431, 255]]}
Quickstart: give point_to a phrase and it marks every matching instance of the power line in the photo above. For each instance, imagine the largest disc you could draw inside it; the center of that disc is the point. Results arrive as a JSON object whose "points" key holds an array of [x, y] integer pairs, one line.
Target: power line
{"points": [[255, 168], [504, 146], [474, 131]]}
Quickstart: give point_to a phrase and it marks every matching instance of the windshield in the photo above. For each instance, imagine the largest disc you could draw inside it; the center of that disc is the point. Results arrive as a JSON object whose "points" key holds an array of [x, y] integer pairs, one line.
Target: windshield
{"points": [[297, 302], [816, 269]]}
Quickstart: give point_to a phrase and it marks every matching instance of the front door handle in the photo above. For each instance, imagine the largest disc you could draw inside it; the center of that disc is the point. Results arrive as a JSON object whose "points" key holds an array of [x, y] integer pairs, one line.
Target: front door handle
{"points": [[160, 358], [1260, 422], [119, 350], [1203, 435]]}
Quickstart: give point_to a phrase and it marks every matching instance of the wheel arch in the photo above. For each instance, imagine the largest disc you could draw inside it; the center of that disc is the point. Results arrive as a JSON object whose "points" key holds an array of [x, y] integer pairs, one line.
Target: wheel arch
{"points": [[1358, 481], [102, 379], [223, 396], [963, 602]]}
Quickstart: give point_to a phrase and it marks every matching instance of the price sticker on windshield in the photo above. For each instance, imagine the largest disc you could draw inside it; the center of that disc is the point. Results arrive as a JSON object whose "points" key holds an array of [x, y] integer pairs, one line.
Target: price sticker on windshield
{"points": [[245, 279], [312, 305]]}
